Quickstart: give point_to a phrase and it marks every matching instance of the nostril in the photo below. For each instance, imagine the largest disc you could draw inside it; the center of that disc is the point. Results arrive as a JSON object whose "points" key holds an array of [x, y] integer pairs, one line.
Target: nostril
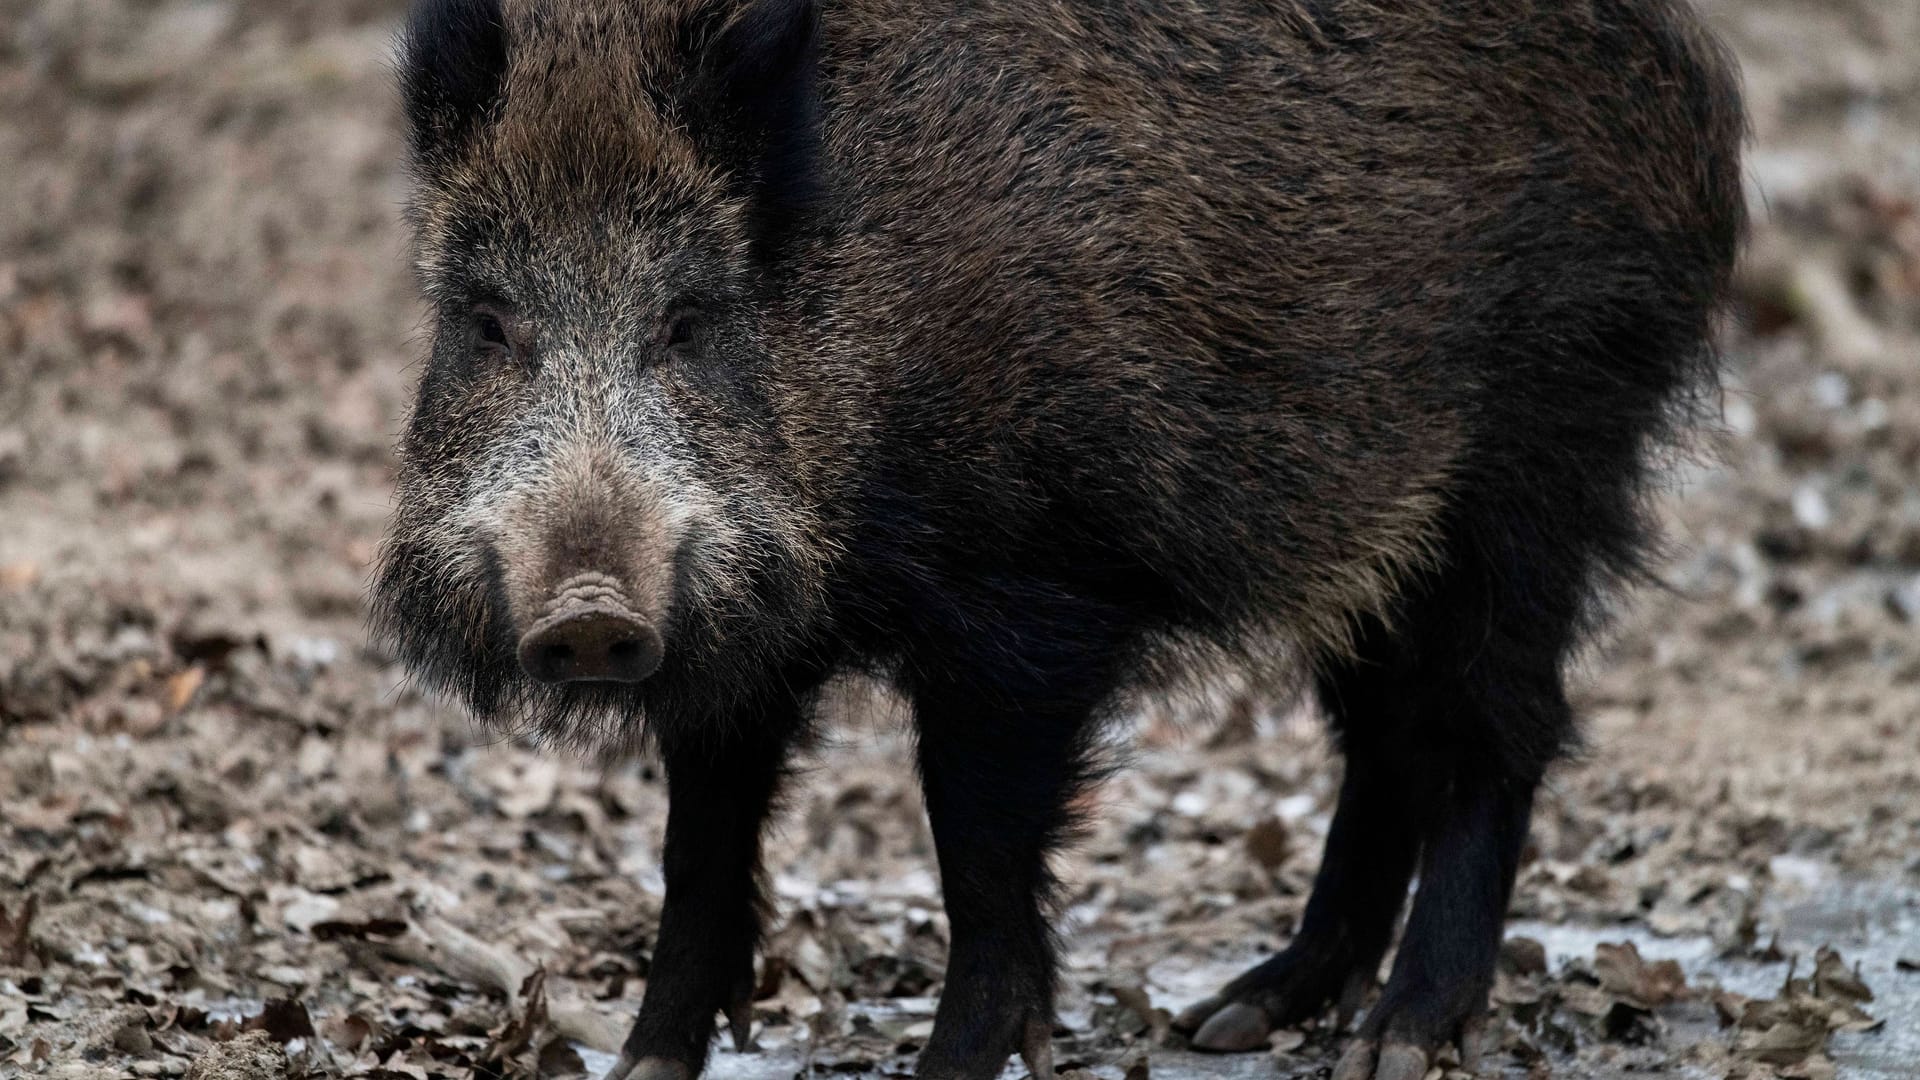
{"points": [[591, 644]]}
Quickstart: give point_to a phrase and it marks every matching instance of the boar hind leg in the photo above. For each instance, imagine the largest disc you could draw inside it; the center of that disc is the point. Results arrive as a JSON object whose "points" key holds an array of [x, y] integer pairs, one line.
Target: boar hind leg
{"points": [[1364, 871], [1480, 676], [998, 785], [1447, 718], [720, 791], [1437, 993]]}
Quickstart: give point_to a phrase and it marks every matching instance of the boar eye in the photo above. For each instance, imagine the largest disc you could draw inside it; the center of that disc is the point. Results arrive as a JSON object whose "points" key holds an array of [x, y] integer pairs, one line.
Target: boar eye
{"points": [[682, 326], [489, 331]]}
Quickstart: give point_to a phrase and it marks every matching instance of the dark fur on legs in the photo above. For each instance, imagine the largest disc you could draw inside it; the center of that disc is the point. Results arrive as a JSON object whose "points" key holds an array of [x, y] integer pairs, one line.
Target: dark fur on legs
{"points": [[721, 790], [1361, 886], [998, 782], [1450, 715]]}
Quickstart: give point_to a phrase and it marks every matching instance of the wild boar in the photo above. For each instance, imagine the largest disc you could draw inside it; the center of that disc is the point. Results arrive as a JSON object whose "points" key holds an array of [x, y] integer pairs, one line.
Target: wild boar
{"points": [[1028, 354]]}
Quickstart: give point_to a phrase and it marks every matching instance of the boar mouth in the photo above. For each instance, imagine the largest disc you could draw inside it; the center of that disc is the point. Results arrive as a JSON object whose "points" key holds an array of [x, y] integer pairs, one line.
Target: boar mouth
{"points": [[590, 632]]}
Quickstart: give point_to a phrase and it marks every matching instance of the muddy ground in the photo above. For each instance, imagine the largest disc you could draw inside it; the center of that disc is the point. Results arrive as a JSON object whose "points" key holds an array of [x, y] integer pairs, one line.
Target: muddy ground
{"points": [[237, 845]]}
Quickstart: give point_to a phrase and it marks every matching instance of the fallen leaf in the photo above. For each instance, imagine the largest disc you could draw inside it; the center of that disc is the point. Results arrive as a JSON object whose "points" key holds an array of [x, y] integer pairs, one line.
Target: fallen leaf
{"points": [[1729, 1007], [182, 686], [15, 931], [304, 909], [1268, 842], [1782, 1043], [1523, 956], [1833, 979], [1622, 971], [284, 1020], [349, 1032]]}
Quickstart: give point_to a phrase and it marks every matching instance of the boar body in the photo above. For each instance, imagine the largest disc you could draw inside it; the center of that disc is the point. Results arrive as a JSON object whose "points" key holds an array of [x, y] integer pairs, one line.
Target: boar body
{"points": [[1029, 355]]}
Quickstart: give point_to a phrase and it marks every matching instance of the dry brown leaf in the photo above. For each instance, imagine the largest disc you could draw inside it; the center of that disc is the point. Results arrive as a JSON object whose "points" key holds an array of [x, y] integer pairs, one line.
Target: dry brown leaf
{"points": [[1783, 1042], [181, 687], [349, 1032], [1269, 843], [1832, 978], [16, 931], [1646, 986], [284, 1020], [1523, 956]]}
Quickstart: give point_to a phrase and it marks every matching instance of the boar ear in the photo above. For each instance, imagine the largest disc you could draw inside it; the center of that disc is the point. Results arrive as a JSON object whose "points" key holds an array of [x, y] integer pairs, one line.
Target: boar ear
{"points": [[755, 106], [453, 59]]}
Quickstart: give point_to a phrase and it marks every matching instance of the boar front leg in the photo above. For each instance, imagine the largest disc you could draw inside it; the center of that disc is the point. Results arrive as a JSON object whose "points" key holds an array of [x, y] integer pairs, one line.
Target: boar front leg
{"points": [[720, 788], [998, 783]]}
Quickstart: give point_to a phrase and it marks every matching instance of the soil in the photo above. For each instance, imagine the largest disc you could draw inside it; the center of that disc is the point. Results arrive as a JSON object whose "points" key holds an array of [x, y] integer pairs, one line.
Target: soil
{"points": [[238, 845]]}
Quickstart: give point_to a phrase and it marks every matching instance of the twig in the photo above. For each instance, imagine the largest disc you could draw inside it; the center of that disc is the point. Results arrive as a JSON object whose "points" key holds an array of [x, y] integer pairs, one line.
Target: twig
{"points": [[435, 943]]}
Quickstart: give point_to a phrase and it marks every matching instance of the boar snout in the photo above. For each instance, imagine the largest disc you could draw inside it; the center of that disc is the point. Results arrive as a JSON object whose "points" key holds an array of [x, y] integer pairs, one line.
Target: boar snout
{"points": [[585, 553], [590, 634]]}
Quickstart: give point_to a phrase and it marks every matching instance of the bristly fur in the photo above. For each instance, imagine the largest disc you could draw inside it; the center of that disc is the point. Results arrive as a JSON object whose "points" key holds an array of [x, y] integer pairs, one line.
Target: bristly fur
{"points": [[1046, 350], [455, 56], [753, 105]]}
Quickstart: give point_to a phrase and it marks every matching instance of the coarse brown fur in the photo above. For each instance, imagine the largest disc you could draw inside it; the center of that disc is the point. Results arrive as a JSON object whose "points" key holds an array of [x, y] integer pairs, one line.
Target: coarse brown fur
{"points": [[1043, 348]]}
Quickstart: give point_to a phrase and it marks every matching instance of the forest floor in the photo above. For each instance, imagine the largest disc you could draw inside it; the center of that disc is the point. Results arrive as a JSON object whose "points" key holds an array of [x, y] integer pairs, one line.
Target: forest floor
{"points": [[236, 845]]}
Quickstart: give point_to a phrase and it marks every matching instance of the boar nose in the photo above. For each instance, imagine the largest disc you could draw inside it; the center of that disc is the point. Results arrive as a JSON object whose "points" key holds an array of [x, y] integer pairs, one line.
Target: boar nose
{"points": [[591, 646]]}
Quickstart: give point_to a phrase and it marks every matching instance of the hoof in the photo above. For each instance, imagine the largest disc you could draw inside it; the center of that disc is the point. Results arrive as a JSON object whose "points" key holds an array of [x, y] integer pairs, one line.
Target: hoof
{"points": [[1401, 1062], [1357, 1062], [1233, 1029]]}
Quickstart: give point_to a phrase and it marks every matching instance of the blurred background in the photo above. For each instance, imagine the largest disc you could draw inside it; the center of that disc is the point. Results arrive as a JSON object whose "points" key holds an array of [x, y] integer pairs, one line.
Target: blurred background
{"points": [[235, 844]]}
